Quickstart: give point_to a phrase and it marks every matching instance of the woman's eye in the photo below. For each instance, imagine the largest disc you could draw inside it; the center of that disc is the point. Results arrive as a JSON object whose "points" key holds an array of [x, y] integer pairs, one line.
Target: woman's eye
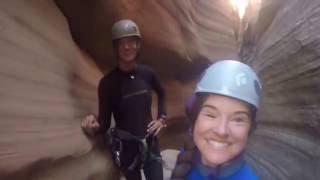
{"points": [[211, 116], [240, 120]]}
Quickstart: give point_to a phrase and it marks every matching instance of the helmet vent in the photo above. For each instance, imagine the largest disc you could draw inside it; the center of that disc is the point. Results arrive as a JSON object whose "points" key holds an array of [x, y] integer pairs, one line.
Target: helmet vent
{"points": [[257, 87]]}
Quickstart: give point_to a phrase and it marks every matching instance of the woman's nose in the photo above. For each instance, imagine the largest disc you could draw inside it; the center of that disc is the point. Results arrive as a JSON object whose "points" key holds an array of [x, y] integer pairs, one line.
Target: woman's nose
{"points": [[222, 128]]}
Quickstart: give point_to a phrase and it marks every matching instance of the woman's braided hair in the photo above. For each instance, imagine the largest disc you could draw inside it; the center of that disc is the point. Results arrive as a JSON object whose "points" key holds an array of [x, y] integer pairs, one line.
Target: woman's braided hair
{"points": [[184, 161]]}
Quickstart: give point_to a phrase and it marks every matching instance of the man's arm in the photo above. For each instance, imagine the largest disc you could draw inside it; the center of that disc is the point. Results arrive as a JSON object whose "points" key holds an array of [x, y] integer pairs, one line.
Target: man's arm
{"points": [[92, 125], [156, 125], [157, 86], [104, 114]]}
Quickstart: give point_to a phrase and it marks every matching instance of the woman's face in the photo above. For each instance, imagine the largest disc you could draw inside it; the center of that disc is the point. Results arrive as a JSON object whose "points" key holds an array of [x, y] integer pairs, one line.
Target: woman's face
{"points": [[221, 129]]}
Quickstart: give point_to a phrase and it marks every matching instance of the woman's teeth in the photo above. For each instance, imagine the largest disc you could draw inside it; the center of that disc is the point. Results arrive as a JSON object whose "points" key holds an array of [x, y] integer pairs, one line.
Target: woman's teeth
{"points": [[217, 145]]}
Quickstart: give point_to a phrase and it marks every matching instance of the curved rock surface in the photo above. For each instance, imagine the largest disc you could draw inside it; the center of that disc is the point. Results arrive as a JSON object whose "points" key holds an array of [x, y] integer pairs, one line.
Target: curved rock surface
{"points": [[53, 54]]}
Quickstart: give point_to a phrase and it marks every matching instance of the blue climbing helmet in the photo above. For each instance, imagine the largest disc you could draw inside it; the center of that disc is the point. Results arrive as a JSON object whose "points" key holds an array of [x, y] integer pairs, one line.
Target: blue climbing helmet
{"points": [[233, 79]]}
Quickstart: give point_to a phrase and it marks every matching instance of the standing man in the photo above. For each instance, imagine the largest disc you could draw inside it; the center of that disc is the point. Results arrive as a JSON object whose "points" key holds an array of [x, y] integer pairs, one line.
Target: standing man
{"points": [[126, 93]]}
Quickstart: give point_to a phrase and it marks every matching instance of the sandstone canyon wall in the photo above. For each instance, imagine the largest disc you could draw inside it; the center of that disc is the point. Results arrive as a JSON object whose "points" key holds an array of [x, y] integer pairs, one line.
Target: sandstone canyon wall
{"points": [[53, 53]]}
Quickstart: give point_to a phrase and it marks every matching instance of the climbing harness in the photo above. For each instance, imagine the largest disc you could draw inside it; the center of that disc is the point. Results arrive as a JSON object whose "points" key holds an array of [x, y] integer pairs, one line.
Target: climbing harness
{"points": [[116, 138]]}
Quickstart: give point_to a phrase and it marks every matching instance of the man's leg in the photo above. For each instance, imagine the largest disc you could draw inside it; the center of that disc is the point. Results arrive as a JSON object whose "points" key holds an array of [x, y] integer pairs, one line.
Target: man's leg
{"points": [[133, 175], [130, 150], [153, 170], [153, 166]]}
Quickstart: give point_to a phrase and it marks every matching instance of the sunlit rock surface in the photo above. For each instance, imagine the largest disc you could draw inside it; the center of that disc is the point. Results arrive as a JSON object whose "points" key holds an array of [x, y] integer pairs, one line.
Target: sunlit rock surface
{"points": [[48, 79]]}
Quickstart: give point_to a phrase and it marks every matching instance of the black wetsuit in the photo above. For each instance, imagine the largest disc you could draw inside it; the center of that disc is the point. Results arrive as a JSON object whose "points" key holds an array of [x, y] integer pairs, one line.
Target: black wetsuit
{"points": [[128, 96]]}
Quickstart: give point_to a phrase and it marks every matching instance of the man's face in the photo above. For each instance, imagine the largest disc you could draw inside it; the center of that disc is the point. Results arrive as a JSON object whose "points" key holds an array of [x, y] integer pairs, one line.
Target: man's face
{"points": [[127, 49], [221, 129]]}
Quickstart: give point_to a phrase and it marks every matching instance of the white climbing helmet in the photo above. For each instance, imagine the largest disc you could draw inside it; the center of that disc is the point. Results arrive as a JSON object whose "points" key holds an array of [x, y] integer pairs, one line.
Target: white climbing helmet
{"points": [[233, 79]]}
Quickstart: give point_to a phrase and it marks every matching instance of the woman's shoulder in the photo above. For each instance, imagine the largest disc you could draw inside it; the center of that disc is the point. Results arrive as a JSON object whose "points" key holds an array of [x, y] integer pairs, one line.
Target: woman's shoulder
{"points": [[246, 172]]}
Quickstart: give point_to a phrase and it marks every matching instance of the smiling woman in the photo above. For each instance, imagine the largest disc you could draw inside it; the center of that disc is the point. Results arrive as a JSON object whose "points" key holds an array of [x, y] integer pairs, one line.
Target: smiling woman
{"points": [[222, 115], [221, 129]]}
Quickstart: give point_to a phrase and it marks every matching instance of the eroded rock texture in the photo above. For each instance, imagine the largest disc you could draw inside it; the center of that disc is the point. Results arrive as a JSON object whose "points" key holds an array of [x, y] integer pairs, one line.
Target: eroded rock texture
{"points": [[48, 83], [286, 55]]}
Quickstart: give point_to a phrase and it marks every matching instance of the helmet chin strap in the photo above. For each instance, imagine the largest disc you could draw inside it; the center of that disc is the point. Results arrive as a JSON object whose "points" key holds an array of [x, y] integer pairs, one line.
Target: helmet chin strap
{"points": [[127, 67]]}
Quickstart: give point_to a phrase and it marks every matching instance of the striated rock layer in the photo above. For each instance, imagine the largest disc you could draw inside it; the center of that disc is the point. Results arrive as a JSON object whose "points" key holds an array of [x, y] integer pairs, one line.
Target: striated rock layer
{"points": [[47, 85], [48, 82], [286, 55]]}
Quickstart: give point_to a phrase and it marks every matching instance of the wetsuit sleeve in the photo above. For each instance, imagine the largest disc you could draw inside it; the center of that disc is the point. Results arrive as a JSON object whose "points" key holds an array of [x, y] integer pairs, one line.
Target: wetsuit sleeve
{"points": [[104, 116], [157, 86]]}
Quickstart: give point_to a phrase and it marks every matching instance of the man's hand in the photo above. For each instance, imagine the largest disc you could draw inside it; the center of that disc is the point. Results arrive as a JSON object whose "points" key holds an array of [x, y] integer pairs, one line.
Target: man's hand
{"points": [[90, 124], [155, 126]]}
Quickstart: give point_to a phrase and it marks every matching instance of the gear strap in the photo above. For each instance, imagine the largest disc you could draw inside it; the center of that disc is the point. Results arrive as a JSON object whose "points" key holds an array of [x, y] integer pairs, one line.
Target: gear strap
{"points": [[117, 135]]}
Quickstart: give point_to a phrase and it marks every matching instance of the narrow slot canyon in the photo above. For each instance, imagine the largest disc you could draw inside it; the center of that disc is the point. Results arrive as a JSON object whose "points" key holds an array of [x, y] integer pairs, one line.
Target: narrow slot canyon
{"points": [[53, 54]]}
